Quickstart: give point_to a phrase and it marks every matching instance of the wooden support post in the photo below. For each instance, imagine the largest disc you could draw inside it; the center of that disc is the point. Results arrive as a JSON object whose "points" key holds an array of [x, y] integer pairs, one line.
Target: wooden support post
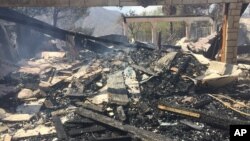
{"points": [[154, 33], [125, 29], [188, 29]]}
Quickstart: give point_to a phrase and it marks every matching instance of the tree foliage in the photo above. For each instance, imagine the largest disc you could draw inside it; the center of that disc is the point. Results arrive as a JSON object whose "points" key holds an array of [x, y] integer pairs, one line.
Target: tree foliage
{"points": [[56, 13]]}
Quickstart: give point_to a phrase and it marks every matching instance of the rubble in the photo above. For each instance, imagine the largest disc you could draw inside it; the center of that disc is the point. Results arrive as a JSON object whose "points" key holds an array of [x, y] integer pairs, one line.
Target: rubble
{"points": [[142, 134], [37, 131], [2, 113], [3, 129], [47, 55], [32, 107], [121, 92], [213, 120], [117, 89], [220, 74], [123, 95], [7, 137], [18, 117], [25, 94], [200, 46], [61, 134]]}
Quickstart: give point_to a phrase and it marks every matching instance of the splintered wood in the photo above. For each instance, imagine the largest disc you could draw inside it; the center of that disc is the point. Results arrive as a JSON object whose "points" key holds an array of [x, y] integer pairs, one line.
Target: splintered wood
{"points": [[117, 89], [40, 130], [179, 111], [18, 117], [48, 55], [165, 62], [132, 83], [86, 72]]}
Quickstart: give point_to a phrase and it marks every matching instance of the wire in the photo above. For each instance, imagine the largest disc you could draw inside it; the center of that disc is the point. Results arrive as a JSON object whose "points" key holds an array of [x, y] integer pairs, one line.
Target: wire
{"points": [[228, 105]]}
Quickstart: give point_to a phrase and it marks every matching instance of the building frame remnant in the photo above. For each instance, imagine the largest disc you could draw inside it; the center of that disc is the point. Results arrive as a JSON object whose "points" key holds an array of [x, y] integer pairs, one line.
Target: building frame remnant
{"points": [[155, 19], [233, 14]]}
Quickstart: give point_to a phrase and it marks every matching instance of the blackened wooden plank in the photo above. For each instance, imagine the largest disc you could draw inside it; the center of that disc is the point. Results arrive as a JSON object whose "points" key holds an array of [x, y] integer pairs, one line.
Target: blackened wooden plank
{"points": [[61, 134], [140, 133], [119, 138], [91, 129]]}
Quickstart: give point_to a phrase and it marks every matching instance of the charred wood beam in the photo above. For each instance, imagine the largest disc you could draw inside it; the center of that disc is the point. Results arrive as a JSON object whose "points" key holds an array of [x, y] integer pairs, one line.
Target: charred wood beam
{"points": [[83, 122], [142, 69], [93, 107], [140, 133], [75, 96], [13, 16], [202, 103], [182, 69], [210, 119], [80, 131], [61, 134], [62, 112], [119, 138], [139, 44], [159, 40], [52, 74]]}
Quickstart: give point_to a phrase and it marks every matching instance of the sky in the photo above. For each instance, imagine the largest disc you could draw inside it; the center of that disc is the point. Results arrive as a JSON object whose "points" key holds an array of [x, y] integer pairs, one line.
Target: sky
{"points": [[137, 9]]}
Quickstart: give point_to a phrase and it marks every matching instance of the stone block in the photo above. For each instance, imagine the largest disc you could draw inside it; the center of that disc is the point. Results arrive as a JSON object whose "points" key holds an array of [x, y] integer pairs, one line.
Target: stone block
{"points": [[113, 2], [194, 1], [215, 1], [229, 60], [236, 24], [235, 52], [177, 1], [239, 5], [236, 18], [232, 30], [229, 49], [230, 22], [233, 5], [232, 43], [235, 12], [234, 60], [232, 36], [227, 1], [245, 1]]}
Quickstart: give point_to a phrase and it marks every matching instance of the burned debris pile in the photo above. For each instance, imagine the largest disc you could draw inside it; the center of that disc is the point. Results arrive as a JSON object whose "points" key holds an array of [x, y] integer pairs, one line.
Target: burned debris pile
{"points": [[126, 93], [105, 89]]}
